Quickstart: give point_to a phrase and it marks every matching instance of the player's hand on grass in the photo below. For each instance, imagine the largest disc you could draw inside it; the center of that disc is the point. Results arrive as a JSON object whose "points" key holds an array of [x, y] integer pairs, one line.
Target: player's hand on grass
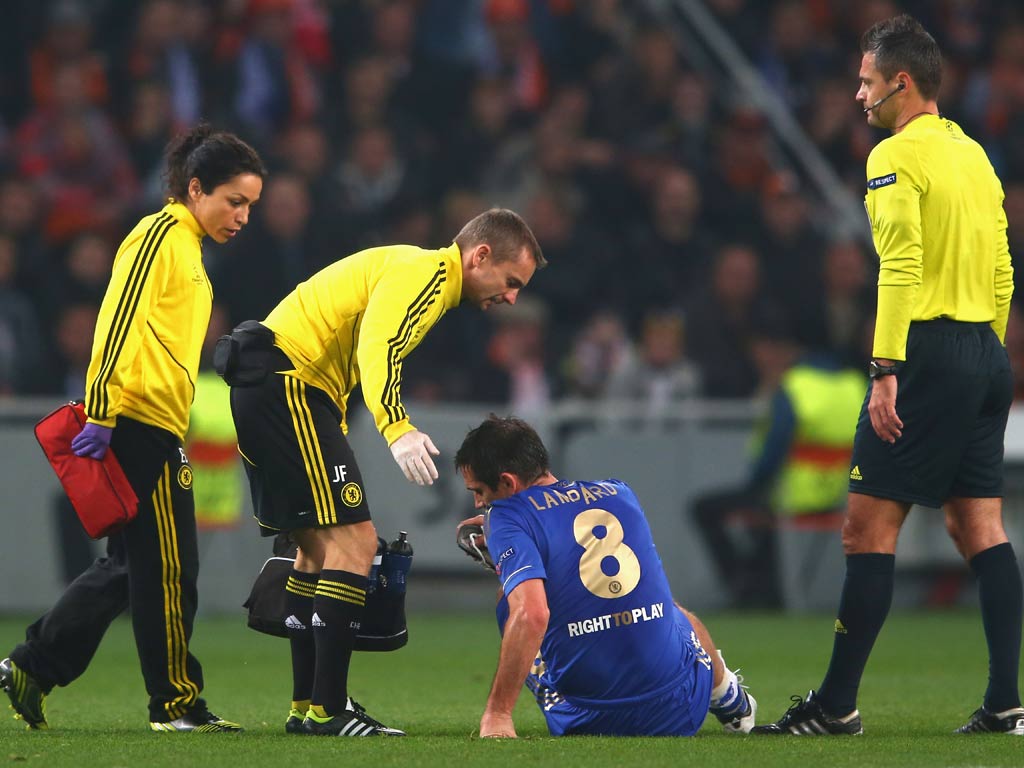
{"points": [[495, 725], [412, 452], [882, 409]]}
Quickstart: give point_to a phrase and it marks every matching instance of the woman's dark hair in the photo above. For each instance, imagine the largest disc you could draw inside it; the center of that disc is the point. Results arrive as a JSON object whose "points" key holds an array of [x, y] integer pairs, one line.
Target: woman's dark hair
{"points": [[503, 445], [212, 157], [901, 43]]}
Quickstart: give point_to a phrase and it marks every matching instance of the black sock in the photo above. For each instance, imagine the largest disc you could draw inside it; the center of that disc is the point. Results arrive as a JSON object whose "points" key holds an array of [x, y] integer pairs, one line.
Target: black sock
{"points": [[337, 610], [863, 606], [299, 604], [999, 589]]}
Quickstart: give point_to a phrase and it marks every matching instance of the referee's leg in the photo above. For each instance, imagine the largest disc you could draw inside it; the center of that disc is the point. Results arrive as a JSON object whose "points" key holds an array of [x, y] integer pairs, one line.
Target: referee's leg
{"points": [[976, 527], [974, 519]]}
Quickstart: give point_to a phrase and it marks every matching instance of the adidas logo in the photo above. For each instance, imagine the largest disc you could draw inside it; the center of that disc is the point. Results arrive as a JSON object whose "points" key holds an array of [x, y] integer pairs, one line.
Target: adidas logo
{"points": [[855, 474], [293, 623], [317, 621], [840, 629]]}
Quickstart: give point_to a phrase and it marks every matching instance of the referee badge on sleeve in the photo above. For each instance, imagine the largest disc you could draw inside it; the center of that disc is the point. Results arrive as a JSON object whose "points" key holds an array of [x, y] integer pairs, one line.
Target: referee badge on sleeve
{"points": [[881, 181]]}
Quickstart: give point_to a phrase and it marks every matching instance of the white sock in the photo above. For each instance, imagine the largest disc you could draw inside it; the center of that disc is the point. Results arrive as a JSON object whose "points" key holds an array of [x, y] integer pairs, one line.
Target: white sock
{"points": [[727, 692]]}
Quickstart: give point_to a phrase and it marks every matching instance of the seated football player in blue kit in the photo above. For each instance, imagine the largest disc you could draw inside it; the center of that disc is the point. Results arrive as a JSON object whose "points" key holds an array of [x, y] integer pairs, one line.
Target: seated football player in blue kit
{"points": [[586, 614]]}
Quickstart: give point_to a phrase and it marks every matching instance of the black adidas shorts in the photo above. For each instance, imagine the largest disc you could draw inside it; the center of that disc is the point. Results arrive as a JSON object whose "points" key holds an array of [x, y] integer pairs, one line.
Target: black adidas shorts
{"points": [[954, 394], [302, 472]]}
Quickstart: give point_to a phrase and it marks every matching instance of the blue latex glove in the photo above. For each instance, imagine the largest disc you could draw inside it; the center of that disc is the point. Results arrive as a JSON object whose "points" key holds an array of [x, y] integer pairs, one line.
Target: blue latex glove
{"points": [[92, 442]]}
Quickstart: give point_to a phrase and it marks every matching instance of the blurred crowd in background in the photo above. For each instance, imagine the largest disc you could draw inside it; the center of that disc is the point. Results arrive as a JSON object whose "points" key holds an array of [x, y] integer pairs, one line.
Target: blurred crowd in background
{"points": [[687, 259]]}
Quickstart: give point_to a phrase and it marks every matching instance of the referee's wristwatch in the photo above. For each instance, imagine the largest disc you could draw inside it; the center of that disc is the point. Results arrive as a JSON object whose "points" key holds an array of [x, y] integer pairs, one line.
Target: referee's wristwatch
{"points": [[877, 371]]}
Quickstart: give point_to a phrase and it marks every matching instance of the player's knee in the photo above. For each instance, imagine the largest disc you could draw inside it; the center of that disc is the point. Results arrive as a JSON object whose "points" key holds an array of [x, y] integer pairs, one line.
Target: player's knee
{"points": [[860, 537], [311, 559], [349, 547], [851, 535], [972, 539], [954, 529], [362, 538], [871, 525], [975, 525]]}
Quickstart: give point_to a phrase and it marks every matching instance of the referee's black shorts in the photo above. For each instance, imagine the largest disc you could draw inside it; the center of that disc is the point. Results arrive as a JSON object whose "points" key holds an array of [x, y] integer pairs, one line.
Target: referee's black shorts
{"points": [[302, 472], [953, 396]]}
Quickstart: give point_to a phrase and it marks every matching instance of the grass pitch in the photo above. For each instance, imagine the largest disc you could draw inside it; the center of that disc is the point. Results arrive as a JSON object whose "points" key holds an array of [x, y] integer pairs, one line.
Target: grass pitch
{"points": [[926, 676]]}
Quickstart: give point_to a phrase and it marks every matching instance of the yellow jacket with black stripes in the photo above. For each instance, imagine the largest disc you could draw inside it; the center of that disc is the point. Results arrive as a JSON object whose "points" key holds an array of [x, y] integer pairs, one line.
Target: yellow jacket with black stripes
{"points": [[358, 318], [151, 325], [937, 219]]}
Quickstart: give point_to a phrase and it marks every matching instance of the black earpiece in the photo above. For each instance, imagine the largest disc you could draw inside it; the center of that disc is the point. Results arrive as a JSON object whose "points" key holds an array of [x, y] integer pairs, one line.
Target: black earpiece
{"points": [[885, 98]]}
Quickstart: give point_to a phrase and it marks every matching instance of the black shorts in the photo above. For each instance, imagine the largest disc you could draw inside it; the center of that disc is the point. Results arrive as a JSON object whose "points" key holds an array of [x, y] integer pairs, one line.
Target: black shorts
{"points": [[302, 472], [953, 396]]}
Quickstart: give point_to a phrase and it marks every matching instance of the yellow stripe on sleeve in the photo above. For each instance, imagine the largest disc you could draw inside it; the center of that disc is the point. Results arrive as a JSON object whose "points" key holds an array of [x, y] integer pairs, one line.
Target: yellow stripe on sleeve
{"points": [[120, 323]]}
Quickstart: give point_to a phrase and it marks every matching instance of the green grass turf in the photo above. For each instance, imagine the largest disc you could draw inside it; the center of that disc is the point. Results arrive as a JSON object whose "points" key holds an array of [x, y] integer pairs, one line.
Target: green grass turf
{"points": [[926, 675]]}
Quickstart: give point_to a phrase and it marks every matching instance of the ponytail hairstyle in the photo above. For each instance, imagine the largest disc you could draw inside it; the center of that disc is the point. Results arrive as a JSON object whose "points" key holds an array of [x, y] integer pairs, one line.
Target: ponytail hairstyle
{"points": [[212, 157]]}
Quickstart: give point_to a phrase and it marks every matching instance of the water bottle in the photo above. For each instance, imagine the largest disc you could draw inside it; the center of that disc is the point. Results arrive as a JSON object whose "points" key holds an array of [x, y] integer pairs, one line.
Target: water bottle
{"points": [[375, 567], [397, 562]]}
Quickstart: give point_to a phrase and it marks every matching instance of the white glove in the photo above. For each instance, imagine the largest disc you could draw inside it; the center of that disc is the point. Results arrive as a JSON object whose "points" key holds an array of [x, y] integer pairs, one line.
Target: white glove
{"points": [[412, 453]]}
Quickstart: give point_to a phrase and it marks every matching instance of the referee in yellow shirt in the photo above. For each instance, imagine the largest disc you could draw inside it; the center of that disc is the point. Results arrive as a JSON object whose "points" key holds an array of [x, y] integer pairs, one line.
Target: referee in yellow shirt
{"points": [[352, 323], [931, 428]]}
